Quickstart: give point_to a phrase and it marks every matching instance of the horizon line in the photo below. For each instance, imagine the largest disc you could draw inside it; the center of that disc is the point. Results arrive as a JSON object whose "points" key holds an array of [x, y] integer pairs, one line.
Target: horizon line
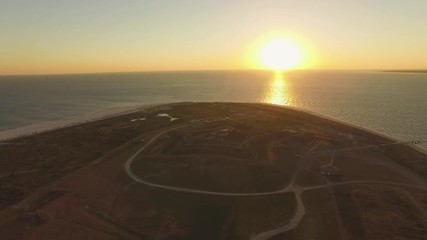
{"points": [[212, 70]]}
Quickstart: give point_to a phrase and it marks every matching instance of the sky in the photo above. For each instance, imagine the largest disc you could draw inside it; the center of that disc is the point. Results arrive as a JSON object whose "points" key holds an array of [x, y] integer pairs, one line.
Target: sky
{"points": [[62, 36]]}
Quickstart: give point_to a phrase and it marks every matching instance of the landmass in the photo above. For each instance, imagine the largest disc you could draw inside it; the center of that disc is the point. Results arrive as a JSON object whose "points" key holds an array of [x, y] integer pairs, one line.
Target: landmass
{"points": [[212, 171], [406, 71]]}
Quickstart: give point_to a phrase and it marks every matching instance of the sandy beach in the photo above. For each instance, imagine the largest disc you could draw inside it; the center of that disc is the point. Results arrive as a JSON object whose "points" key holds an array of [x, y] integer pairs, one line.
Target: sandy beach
{"points": [[51, 125]]}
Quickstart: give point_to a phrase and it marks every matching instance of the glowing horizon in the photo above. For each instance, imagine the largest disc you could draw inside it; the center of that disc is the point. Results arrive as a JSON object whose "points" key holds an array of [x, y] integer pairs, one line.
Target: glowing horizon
{"points": [[47, 37]]}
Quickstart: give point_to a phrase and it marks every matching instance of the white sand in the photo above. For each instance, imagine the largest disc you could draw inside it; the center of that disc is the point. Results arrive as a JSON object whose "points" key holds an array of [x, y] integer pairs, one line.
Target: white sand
{"points": [[51, 125], [168, 116], [138, 119]]}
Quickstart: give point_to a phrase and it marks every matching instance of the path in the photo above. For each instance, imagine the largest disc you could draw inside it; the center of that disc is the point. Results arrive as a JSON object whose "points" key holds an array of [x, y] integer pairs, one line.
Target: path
{"points": [[292, 187]]}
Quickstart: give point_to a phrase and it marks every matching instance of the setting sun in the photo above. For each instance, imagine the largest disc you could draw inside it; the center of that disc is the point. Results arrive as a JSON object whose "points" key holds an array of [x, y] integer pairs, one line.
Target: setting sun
{"points": [[280, 54]]}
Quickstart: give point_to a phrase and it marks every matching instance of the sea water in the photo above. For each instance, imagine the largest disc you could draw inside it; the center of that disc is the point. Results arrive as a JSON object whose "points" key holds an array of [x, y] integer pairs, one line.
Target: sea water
{"points": [[394, 104]]}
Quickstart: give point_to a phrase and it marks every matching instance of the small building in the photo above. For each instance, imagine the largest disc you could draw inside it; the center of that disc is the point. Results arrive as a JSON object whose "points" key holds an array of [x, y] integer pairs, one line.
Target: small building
{"points": [[329, 170]]}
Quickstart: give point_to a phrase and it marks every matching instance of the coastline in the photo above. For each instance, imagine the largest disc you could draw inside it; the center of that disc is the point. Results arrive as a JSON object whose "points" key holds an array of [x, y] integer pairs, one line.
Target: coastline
{"points": [[334, 120], [82, 162], [416, 147], [349, 124], [106, 113], [46, 126], [361, 128]]}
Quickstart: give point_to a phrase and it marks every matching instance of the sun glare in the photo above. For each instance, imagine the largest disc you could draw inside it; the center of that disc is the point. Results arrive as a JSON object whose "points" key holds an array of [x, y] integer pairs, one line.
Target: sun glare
{"points": [[280, 54]]}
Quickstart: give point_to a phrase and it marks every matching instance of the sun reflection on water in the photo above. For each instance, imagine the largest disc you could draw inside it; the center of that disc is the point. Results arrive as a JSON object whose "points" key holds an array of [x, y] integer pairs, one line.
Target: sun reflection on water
{"points": [[278, 93]]}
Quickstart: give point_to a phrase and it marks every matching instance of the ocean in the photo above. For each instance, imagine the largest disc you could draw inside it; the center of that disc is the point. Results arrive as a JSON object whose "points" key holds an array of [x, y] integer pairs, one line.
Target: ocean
{"points": [[394, 104]]}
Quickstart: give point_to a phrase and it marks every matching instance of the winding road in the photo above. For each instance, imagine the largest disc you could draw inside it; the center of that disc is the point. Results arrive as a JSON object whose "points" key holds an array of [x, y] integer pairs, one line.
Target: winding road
{"points": [[292, 187]]}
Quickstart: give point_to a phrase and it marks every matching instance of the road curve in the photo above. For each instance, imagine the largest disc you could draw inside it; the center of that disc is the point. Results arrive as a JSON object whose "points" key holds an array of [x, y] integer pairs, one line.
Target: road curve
{"points": [[133, 176], [292, 187], [296, 219]]}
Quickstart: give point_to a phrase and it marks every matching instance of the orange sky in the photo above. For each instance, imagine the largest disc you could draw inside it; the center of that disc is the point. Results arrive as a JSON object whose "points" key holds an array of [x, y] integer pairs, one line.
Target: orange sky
{"points": [[114, 36]]}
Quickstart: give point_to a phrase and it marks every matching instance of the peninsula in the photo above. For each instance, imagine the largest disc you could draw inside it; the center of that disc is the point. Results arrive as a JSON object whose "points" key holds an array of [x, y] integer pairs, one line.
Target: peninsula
{"points": [[212, 171]]}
